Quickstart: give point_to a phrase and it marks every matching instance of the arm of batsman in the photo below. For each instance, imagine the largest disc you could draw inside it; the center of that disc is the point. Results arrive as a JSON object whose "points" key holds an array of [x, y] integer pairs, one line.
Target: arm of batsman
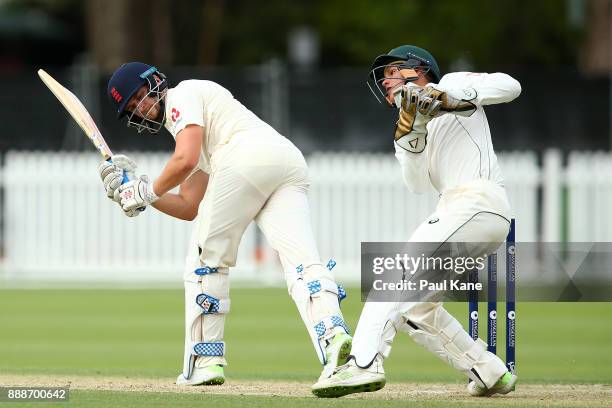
{"points": [[458, 101]]}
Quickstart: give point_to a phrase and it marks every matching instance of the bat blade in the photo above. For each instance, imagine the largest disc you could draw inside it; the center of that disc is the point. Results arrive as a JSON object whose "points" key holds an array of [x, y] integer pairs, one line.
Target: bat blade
{"points": [[78, 112]]}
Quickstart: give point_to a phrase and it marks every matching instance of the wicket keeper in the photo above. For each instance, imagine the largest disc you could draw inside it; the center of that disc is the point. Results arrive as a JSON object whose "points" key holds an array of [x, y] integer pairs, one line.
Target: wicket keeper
{"points": [[442, 139]]}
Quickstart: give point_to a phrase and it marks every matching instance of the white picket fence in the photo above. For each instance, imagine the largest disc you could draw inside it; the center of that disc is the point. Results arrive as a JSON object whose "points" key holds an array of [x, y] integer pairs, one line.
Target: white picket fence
{"points": [[589, 197], [58, 226]]}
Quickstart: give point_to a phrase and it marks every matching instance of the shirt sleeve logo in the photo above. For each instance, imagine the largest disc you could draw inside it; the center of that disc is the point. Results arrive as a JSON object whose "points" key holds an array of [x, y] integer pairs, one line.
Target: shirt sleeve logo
{"points": [[175, 114], [469, 94]]}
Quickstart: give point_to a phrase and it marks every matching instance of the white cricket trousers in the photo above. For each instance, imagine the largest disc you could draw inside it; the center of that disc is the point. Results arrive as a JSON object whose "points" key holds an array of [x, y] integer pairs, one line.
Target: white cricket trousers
{"points": [[258, 176], [477, 212], [262, 177]]}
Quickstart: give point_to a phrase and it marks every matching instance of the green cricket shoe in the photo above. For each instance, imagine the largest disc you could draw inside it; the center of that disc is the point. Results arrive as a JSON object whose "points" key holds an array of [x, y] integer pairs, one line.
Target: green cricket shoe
{"points": [[504, 385], [337, 353], [350, 379], [211, 375]]}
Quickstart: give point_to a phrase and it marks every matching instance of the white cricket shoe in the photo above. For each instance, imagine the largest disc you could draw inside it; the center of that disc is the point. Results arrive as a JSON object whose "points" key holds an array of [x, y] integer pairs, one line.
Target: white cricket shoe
{"points": [[337, 353], [504, 385], [349, 379], [211, 375]]}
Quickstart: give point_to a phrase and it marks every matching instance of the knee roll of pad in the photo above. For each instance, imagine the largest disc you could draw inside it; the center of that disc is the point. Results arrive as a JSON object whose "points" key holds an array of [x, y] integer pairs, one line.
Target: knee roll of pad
{"points": [[317, 286], [206, 294], [210, 304], [326, 283]]}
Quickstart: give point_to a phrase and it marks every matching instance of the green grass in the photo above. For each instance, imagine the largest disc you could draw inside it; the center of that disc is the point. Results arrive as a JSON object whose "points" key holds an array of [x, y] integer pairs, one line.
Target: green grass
{"points": [[140, 333]]}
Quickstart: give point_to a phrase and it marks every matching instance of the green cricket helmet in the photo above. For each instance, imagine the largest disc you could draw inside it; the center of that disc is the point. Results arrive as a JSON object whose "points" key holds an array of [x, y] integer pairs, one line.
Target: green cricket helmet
{"points": [[407, 58]]}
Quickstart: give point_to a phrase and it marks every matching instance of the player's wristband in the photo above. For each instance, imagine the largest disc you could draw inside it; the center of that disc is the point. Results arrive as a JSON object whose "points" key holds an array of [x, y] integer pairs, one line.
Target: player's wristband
{"points": [[150, 195]]}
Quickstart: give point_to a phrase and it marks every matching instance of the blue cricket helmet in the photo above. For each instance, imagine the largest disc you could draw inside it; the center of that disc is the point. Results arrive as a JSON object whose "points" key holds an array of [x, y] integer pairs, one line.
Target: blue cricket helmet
{"points": [[128, 79]]}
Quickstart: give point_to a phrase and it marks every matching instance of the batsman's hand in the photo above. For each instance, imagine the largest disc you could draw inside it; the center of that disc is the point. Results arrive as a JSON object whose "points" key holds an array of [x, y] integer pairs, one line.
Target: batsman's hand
{"points": [[136, 194], [133, 213], [112, 173], [457, 101]]}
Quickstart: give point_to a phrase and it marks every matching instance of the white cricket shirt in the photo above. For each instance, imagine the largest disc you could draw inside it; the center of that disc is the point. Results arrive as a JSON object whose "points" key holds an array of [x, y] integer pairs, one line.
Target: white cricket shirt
{"points": [[459, 149], [208, 104]]}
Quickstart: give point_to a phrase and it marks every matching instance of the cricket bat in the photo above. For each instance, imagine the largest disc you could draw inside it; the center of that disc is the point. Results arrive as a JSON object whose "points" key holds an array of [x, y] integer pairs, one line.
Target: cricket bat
{"points": [[80, 115]]}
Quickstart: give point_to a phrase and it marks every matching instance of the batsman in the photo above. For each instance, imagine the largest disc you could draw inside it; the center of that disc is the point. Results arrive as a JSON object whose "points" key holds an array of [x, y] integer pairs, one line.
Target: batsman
{"points": [[231, 168], [442, 139]]}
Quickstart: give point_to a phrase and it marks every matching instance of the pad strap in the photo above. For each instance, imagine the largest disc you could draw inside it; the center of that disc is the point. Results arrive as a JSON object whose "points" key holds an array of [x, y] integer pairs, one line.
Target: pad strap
{"points": [[205, 270], [213, 349], [316, 286], [325, 326], [341, 293], [340, 290]]}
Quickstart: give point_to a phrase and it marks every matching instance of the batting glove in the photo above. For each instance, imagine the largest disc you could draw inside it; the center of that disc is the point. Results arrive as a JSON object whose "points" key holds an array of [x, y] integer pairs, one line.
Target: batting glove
{"points": [[133, 213], [137, 194], [112, 173]]}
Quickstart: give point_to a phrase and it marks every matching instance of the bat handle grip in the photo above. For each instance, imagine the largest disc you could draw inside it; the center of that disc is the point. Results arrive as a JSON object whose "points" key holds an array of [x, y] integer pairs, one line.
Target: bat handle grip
{"points": [[126, 178]]}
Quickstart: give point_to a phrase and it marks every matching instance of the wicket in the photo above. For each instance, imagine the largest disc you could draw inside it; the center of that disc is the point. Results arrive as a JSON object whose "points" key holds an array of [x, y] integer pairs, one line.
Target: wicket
{"points": [[492, 302]]}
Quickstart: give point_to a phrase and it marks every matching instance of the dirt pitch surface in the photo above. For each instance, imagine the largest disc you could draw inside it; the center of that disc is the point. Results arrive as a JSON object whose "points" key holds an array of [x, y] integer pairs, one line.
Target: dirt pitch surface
{"points": [[592, 395]]}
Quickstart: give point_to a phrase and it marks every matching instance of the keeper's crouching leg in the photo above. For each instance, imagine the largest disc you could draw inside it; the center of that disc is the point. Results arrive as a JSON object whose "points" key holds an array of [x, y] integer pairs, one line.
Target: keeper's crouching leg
{"points": [[206, 303], [431, 326]]}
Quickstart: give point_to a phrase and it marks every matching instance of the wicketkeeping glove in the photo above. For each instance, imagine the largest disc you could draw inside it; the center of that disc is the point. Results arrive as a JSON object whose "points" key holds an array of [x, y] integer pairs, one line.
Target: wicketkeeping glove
{"points": [[454, 100], [137, 194], [411, 129]]}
